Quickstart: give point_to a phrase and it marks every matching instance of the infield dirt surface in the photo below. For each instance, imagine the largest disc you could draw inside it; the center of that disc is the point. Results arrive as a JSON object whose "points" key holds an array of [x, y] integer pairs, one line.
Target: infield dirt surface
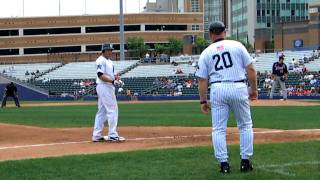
{"points": [[25, 142]]}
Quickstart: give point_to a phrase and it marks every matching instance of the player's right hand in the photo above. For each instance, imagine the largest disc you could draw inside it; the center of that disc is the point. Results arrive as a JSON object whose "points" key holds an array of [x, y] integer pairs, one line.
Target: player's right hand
{"points": [[205, 108], [253, 95]]}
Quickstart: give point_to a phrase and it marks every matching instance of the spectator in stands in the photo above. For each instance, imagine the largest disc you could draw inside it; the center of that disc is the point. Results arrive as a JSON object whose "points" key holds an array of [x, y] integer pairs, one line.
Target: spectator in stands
{"points": [[128, 92], [305, 59], [156, 82], [44, 80], [27, 73], [178, 71], [188, 83], [314, 53], [81, 84], [308, 77], [304, 69], [268, 84], [174, 63]]}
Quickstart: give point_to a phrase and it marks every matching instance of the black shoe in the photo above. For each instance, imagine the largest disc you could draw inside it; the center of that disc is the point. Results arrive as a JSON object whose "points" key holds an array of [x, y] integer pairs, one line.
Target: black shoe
{"points": [[246, 165], [224, 168], [100, 139]]}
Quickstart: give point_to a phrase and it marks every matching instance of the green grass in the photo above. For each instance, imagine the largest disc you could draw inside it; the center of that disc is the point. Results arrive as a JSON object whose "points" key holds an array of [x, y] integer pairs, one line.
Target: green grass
{"points": [[159, 114], [271, 161]]}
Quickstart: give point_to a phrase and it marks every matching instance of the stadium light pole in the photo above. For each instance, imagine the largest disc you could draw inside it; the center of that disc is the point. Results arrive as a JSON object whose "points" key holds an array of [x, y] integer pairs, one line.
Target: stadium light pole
{"points": [[122, 57], [22, 8], [59, 8]]}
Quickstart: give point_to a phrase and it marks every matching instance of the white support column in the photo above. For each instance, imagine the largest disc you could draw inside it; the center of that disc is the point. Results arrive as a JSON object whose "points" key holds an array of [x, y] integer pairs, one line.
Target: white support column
{"points": [[83, 48], [83, 29], [142, 27], [20, 32], [20, 51]]}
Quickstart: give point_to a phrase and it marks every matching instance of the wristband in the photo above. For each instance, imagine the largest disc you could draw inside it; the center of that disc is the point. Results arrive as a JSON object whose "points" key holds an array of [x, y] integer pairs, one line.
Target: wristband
{"points": [[203, 102]]}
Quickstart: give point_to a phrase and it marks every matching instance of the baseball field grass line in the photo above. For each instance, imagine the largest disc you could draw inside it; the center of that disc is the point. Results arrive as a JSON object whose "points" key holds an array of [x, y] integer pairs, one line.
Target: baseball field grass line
{"points": [[175, 163], [163, 114]]}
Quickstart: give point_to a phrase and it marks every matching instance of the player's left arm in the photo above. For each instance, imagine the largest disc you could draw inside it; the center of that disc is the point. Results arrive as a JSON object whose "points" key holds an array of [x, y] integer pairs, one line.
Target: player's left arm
{"points": [[203, 91], [202, 74]]}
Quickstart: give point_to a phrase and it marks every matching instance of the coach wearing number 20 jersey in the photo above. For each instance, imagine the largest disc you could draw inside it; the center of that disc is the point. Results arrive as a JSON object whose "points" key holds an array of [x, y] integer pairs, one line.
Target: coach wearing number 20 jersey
{"points": [[224, 65]]}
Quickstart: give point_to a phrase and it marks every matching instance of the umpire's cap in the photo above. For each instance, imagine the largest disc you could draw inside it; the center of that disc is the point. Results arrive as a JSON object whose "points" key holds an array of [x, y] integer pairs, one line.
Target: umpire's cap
{"points": [[216, 27], [106, 47]]}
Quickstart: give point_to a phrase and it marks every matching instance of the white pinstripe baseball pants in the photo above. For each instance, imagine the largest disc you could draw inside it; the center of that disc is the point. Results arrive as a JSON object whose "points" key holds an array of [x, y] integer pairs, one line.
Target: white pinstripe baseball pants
{"points": [[226, 97], [107, 109]]}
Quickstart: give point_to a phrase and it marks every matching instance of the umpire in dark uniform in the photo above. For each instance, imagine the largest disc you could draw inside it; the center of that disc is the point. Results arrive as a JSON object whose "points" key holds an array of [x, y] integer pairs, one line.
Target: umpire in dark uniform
{"points": [[10, 91], [279, 76]]}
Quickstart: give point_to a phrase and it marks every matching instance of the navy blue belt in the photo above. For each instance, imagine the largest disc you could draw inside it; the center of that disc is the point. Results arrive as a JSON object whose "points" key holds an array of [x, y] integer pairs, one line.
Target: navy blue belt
{"points": [[243, 81]]}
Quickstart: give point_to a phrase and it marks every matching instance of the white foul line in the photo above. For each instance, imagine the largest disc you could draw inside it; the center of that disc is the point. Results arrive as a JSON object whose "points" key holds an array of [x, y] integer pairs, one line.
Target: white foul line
{"points": [[150, 138]]}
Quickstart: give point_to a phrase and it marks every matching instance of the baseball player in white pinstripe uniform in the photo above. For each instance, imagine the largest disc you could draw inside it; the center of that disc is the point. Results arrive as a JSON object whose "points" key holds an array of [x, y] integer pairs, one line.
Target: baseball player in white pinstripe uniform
{"points": [[107, 102], [224, 64]]}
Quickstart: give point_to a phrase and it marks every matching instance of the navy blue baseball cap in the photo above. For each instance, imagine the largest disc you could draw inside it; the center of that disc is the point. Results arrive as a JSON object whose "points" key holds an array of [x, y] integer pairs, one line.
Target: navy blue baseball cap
{"points": [[106, 47], [217, 27]]}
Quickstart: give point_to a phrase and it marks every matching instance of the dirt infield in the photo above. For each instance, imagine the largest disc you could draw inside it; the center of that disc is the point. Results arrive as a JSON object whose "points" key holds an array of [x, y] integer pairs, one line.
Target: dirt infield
{"points": [[253, 103], [25, 142]]}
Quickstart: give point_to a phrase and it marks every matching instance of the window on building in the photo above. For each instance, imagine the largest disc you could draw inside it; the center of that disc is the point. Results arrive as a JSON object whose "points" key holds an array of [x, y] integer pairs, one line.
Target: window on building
{"points": [[273, 12], [166, 27], [52, 31], [91, 48], [288, 1], [195, 27], [278, 12], [4, 52], [9, 33], [292, 12], [195, 5], [263, 13], [45, 50], [258, 13], [268, 24], [268, 12]]}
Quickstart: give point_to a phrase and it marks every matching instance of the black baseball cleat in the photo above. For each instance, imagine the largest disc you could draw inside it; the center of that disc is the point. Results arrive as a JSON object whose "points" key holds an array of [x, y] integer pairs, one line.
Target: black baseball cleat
{"points": [[100, 139], [225, 168], [245, 165]]}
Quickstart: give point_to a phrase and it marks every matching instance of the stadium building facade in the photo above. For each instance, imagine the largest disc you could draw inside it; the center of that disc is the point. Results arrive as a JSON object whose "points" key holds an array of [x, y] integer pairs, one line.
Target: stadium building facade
{"points": [[300, 35], [255, 21], [70, 38]]}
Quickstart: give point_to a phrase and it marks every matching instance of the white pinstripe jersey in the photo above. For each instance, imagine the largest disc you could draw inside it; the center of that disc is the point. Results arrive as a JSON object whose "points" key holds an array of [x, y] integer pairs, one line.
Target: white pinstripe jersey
{"points": [[224, 60], [106, 67]]}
